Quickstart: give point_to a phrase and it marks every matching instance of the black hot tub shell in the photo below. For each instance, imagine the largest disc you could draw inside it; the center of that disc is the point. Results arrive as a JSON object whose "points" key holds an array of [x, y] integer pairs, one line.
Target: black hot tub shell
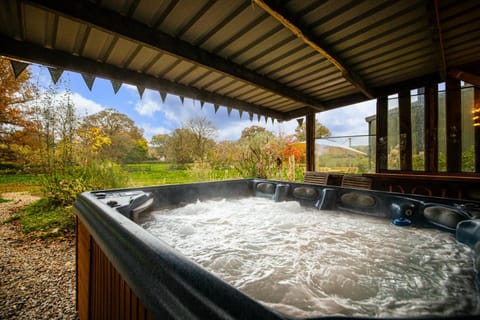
{"points": [[125, 272]]}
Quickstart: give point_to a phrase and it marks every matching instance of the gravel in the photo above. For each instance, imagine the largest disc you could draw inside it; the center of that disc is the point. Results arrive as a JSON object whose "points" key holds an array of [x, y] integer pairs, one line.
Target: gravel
{"points": [[37, 278]]}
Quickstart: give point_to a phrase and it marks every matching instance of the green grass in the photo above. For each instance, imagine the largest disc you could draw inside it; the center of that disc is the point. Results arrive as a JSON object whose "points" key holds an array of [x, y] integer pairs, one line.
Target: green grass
{"points": [[19, 183], [40, 220], [149, 174]]}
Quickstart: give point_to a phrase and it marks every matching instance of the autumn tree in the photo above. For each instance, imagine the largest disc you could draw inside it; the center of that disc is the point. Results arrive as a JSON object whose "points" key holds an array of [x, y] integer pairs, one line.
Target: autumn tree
{"points": [[17, 129], [320, 131], [224, 154], [252, 131], [158, 145], [192, 142], [203, 133], [179, 146], [258, 151], [127, 143], [54, 114]]}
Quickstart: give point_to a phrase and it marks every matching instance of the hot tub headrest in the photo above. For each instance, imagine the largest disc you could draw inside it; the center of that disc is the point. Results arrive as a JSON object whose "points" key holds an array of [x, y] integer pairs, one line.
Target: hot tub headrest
{"points": [[306, 193], [468, 232], [266, 187], [135, 204], [444, 216], [358, 200]]}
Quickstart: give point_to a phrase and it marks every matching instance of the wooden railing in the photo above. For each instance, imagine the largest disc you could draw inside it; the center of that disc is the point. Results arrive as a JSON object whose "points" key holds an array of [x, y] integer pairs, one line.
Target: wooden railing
{"points": [[450, 185]]}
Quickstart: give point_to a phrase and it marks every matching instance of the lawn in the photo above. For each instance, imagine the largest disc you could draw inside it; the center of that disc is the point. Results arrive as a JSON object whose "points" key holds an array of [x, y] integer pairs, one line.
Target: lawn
{"points": [[42, 220], [142, 174], [148, 174], [19, 183]]}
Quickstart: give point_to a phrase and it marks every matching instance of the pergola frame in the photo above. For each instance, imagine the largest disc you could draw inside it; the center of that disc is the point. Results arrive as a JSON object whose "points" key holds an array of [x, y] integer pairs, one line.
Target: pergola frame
{"points": [[277, 59]]}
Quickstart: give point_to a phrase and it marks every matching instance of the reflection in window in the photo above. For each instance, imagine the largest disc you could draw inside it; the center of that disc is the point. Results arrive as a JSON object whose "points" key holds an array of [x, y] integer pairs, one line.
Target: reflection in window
{"points": [[441, 132], [417, 101], [393, 133], [468, 134]]}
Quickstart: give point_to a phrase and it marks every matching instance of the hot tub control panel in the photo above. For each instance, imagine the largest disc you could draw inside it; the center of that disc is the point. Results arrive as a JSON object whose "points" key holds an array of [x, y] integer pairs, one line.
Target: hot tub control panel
{"points": [[128, 203]]}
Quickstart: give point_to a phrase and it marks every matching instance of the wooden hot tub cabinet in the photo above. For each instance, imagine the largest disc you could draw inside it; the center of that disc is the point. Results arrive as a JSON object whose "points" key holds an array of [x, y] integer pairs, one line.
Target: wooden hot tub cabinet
{"points": [[101, 292]]}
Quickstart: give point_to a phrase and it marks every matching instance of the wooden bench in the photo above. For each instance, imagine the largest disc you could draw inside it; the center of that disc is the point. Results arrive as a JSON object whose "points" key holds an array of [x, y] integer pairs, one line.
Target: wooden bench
{"points": [[315, 177], [356, 182]]}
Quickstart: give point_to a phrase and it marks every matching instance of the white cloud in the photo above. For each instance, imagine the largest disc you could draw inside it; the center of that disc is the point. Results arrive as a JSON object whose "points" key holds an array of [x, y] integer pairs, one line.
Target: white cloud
{"points": [[85, 106], [149, 104], [149, 130], [130, 87], [348, 120], [40, 76], [179, 113]]}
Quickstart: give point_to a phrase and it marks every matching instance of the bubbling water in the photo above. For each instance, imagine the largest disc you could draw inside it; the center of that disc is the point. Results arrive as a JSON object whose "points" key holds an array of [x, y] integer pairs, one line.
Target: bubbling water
{"points": [[305, 262]]}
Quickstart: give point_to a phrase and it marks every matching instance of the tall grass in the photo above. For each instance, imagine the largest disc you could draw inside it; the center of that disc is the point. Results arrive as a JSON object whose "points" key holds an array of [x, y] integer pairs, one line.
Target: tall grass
{"points": [[149, 174]]}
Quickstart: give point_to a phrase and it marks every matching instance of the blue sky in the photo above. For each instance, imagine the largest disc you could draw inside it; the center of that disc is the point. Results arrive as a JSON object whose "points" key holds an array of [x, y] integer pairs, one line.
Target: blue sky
{"points": [[156, 117]]}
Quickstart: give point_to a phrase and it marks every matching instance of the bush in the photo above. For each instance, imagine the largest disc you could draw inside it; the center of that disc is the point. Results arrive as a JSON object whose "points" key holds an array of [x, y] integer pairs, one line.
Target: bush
{"points": [[61, 189], [105, 175], [42, 220]]}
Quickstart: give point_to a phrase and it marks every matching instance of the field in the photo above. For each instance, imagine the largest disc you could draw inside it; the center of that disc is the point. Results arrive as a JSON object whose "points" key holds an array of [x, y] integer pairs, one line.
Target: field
{"points": [[19, 183], [145, 174], [148, 174]]}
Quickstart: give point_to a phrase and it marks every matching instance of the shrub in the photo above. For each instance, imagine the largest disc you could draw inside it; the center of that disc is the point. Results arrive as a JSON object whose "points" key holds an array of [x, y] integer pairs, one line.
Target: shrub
{"points": [[61, 189], [42, 220]]}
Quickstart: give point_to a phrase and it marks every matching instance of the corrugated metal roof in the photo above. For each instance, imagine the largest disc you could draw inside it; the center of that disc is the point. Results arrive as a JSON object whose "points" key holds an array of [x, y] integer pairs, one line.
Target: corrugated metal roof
{"points": [[275, 58]]}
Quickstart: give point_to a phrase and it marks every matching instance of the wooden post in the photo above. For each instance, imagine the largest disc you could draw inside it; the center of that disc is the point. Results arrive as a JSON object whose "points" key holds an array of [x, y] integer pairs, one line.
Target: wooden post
{"points": [[405, 128], [476, 128], [310, 142], [381, 153], [454, 125], [431, 128]]}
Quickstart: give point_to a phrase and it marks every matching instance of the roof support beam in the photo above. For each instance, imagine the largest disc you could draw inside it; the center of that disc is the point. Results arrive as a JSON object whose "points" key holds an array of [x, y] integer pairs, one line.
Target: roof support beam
{"points": [[114, 23], [276, 11], [464, 76], [55, 58], [437, 36]]}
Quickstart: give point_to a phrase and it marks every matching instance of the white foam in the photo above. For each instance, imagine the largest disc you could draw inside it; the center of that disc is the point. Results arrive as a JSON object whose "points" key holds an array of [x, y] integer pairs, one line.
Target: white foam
{"points": [[306, 262]]}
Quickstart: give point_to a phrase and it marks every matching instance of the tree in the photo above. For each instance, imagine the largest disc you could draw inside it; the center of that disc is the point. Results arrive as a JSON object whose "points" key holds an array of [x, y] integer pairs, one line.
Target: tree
{"points": [[252, 131], [224, 154], [16, 126], [179, 146], [258, 151], [203, 133], [159, 145], [193, 142], [56, 126], [127, 141], [320, 131]]}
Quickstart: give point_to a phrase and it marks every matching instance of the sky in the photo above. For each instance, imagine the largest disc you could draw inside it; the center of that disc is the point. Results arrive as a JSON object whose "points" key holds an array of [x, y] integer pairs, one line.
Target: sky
{"points": [[154, 116]]}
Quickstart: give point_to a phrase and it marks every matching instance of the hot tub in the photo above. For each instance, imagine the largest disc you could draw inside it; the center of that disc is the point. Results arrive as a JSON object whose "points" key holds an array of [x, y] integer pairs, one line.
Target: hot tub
{"points": [[124, 271]]}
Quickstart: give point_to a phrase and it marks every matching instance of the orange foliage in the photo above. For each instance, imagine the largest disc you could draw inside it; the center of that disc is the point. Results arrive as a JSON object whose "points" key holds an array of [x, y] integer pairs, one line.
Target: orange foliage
{"points": [[16, 128], [294, 150]]}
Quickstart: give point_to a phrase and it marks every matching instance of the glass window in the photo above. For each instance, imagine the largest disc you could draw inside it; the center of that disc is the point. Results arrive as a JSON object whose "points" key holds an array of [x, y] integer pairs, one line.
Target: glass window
{"points": [[468, 133], [441, 132], [417, 103], [393, 147]]}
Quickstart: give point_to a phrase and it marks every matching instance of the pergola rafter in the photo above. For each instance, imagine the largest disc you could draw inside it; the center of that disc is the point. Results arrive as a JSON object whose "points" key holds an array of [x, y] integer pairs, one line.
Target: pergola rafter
{"points": [[282, 16], [58, 59], [113, 23]]}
